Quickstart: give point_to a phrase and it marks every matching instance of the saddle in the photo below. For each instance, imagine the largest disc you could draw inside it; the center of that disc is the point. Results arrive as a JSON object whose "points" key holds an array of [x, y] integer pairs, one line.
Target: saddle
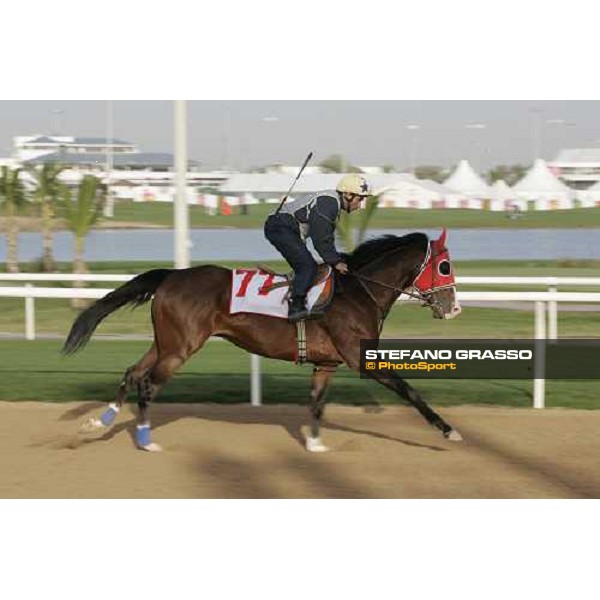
{"points": [[264, 292], [324, 273]]}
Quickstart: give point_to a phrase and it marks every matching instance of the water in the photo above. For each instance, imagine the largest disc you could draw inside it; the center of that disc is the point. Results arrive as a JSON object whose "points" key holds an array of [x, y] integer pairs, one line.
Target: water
{"points": [[249, 244]]}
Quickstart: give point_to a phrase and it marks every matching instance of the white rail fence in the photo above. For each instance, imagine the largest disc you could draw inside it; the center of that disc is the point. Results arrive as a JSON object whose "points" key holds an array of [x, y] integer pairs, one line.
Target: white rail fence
{"points": [[545, 305]]}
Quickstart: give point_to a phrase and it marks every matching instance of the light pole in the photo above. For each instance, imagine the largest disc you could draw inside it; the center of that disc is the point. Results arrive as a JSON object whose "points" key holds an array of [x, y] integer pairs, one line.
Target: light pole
{"points": [[412, 143], [180, 207], [109, 205]]}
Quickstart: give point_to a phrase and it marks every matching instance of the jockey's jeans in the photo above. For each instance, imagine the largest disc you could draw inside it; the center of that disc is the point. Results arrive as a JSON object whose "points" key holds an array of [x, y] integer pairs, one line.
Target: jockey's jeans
{"points": [[283, 232]]}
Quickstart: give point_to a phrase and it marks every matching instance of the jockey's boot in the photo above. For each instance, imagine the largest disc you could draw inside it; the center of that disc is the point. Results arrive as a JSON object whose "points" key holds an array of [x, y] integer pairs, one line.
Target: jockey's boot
{"points": [[297, 309]]}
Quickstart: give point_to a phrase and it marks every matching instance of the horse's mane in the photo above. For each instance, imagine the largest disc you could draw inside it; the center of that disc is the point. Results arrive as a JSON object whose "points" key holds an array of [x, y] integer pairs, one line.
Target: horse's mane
{"points": [[373, 249]]}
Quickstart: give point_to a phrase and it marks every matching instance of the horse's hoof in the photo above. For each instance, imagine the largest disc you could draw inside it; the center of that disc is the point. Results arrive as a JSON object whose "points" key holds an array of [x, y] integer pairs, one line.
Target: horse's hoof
{"points": [[315, 445], [454, 436], [92, 424], [151, 447]]}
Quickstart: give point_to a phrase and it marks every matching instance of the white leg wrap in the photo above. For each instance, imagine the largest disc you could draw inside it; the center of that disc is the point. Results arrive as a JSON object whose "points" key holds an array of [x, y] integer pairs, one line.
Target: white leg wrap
{"points": [[315, 445], [151, 447]]}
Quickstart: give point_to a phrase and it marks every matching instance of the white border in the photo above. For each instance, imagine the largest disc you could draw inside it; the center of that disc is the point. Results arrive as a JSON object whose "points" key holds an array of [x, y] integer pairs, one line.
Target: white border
{"points": [[310, 50]]}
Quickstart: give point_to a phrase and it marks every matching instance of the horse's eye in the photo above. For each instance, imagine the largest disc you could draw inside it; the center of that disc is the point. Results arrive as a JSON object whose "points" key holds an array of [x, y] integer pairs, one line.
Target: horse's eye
{"points": [[444, 268]]}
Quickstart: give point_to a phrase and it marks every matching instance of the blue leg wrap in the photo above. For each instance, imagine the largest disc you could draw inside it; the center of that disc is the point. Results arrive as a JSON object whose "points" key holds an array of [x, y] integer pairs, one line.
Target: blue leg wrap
{"points": [[142, 435], [108, 416]]}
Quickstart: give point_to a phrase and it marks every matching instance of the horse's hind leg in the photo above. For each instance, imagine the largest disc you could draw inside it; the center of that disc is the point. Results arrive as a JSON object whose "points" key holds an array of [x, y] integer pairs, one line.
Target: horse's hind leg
{"points": [[320, 380], [130, 379], [148, 387], [134, 374]]}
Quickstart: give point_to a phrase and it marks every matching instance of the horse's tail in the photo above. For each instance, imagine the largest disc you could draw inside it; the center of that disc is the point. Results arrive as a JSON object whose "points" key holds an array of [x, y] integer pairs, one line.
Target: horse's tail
{"points": [[137, 291]]}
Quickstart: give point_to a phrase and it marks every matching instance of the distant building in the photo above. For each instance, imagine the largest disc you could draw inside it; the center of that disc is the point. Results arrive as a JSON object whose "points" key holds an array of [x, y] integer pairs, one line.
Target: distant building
{"points": [[125, 161], [577, 167], [290, 169], [27, 147], [11, 163], [132, 170], [90, 154], [310, 170]]}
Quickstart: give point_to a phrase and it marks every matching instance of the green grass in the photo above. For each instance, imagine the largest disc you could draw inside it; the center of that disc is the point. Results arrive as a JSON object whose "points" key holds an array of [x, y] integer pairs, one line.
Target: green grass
{"points": [[37, 371], [158, 213]]}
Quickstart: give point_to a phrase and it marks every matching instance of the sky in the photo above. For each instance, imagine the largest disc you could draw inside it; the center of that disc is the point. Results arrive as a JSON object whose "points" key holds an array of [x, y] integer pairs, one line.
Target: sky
{"points": [[250, 133]]}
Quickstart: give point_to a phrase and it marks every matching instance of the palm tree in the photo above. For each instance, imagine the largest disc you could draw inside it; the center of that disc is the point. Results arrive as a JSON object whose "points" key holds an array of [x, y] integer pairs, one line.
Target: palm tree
{"points": [[81, 214], [350, 233], [12, 193], [47, 195]]}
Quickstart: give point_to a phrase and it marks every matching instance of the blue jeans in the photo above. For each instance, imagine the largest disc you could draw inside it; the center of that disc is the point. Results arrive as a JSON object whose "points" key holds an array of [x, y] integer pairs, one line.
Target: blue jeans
{"points": [[283, 232]]}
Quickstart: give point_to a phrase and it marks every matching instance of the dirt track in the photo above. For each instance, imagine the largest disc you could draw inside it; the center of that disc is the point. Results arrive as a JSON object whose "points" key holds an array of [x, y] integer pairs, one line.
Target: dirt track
{"points": [[244, 452]]}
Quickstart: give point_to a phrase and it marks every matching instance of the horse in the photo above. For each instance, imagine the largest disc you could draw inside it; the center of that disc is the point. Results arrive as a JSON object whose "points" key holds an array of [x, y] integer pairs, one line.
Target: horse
{"points": [[191, 305]]}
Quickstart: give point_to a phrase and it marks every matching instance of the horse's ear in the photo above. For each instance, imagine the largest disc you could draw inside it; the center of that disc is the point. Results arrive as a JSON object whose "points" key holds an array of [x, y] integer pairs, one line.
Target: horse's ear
{"points": [[442, 238]]}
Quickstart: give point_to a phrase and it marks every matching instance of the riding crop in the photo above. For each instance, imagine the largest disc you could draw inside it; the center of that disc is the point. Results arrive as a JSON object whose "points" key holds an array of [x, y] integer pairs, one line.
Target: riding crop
{"points": [[294, 182]]}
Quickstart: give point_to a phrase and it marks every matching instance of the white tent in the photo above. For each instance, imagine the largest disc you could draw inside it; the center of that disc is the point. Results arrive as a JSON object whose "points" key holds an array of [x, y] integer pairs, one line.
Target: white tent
{"points": [[469, 185], [406, 194], [589, 198], [504, 198], [396, 189], [541, 186], [270, 185], [447, 198], [406, 191]]}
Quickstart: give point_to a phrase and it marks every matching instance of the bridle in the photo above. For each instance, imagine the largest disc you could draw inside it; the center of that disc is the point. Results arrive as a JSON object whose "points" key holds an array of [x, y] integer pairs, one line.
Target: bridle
{"points": [[431, 262]]}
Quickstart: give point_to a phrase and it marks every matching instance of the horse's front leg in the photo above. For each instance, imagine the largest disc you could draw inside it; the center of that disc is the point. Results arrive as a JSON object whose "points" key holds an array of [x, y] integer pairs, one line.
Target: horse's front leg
{"points": [[351, 353], [401, 387], [320, 380]]}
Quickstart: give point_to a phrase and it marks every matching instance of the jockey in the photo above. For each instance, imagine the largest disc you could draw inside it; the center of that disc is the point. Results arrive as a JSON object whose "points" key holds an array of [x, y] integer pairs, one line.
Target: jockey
{"points": [[315, 216]]}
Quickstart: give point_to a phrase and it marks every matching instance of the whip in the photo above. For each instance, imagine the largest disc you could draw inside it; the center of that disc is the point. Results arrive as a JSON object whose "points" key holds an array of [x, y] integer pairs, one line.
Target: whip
{"points": [[294, 182]]}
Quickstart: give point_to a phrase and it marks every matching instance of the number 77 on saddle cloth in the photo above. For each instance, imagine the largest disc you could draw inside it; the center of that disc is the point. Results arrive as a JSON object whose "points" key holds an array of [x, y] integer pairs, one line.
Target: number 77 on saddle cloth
{"points": [[258, 292]]}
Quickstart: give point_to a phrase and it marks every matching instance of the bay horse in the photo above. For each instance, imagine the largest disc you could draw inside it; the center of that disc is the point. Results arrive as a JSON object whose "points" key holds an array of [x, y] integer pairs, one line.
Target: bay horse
{"points": [[191, 305]]}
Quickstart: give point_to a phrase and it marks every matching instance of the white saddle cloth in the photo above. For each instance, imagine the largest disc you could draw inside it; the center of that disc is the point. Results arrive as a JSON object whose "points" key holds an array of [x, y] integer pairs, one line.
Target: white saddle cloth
{"points": [[251, 293]]}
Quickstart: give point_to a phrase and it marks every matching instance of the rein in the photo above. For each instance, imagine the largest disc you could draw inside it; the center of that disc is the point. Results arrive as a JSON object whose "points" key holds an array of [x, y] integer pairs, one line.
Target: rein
{"points": [[399, 290], [383, 313], [425, 298]]}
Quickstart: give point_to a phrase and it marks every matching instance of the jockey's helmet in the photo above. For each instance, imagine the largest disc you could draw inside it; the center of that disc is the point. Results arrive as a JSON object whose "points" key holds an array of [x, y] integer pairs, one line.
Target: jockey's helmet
{"points": [[354, 184]]}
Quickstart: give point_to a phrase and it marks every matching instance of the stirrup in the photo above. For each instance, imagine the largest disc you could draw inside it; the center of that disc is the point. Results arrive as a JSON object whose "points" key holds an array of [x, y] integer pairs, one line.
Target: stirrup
{"points": [[301, 312]]}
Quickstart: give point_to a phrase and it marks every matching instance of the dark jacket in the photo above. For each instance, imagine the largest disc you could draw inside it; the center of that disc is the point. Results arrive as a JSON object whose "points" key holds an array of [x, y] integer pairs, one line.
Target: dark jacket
{"points": [[321, 216]]}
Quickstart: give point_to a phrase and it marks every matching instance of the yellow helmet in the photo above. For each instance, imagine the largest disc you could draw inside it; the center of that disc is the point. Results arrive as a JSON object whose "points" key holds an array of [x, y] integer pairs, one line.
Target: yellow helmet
{"points": [[354, 184]]}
